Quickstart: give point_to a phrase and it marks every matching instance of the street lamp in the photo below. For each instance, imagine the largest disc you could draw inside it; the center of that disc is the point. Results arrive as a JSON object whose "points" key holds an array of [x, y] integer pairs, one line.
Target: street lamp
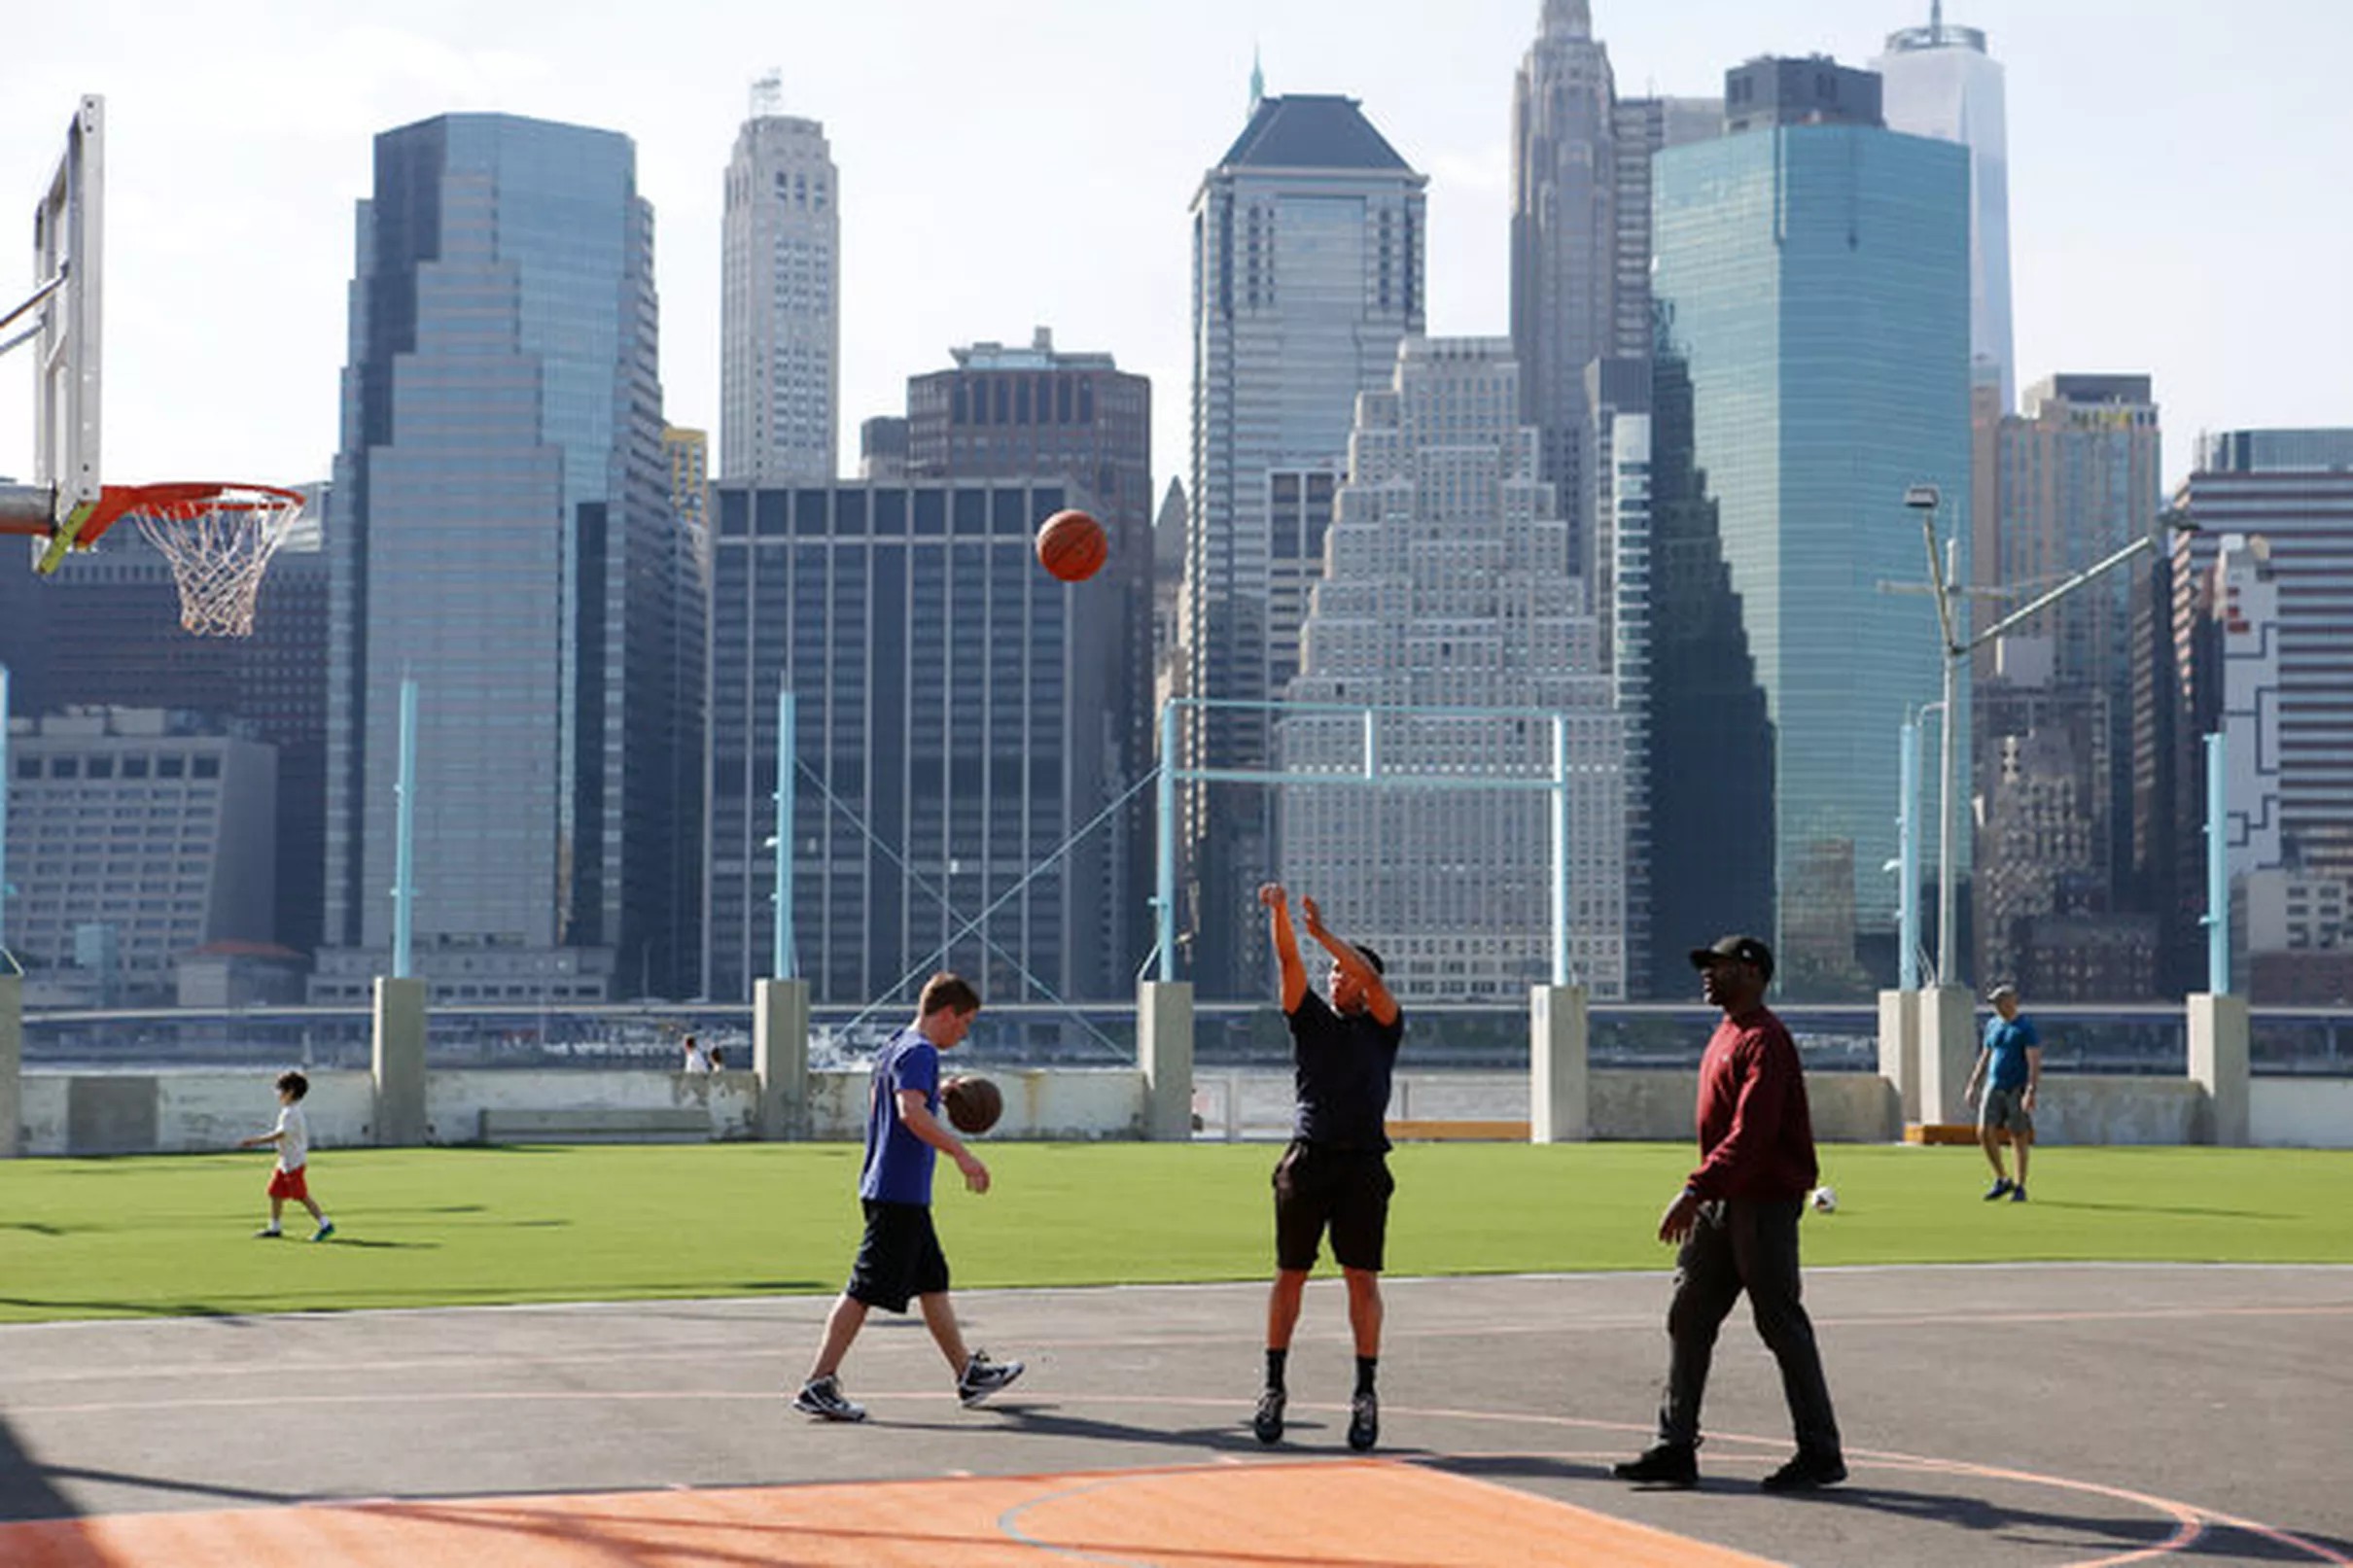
{"points": [[1925, 498]]}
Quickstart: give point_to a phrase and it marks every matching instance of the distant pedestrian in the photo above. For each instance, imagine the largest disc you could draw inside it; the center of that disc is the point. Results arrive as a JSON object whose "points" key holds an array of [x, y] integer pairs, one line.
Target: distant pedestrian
{"points": [[291, 1177], [1335, 1174], [697, 1059], [899, 1260], [2009, 1069], [719, 1059], [1737, 1222]]}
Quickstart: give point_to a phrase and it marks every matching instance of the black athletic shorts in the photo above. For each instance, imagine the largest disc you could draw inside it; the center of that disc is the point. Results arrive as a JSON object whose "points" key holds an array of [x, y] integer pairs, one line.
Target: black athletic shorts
{"points": [[1316, 1185], [899, 1258]]}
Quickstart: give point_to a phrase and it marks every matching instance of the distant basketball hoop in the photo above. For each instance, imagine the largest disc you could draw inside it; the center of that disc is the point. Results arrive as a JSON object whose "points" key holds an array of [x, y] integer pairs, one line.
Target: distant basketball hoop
{"points": [[219, 539]]}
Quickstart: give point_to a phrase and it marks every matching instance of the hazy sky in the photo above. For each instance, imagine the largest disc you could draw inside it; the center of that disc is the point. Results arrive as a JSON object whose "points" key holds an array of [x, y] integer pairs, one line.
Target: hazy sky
{"points": [[2178, 176]]}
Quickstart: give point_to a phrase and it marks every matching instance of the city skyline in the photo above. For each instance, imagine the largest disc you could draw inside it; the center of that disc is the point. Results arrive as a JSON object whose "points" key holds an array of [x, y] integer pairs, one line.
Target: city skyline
{"points": [[2092, 292]]}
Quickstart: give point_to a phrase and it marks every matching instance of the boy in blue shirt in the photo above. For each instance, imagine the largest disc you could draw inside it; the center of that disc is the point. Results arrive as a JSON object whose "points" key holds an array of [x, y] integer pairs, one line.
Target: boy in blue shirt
{"points": [[899, 1260], [2010, 1069]]}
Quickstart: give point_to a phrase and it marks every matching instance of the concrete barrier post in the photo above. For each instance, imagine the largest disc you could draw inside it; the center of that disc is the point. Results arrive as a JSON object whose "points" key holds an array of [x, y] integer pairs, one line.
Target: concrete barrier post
{"points": [[1948, 1049], [1900, 1050], [1559, 1107], [1164, 1050], [12, 1058], [399, 1061], [2218, 1062], [780, 1056]]}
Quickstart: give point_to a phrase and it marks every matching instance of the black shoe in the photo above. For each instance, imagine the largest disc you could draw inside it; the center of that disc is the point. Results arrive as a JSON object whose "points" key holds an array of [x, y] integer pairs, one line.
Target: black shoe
{"points": [[1664, 1464], [1806, 1472], [983, 1378], [1266, 1422], [823, 1398], [1999, 1189], [2018, 1194], [1364, 1420]]}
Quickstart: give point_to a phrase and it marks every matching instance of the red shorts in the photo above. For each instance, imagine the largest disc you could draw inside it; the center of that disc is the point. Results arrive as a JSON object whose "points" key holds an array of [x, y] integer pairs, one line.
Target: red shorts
{"points": [[294, 1184]]}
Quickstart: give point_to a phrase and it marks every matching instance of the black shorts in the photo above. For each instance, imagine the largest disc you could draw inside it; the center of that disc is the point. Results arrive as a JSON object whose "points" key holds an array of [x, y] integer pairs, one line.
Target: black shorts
{"points": [[1316, 1185], [898, 1259]]}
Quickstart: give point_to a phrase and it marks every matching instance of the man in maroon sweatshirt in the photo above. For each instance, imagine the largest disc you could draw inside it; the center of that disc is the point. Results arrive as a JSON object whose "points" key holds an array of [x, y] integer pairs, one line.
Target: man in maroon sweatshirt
{"points": [[1737, 1222]]}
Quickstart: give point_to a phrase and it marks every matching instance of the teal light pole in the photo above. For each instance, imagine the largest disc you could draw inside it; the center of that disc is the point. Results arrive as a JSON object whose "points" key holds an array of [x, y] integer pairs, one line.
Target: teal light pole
{"points": [[405, 807], [780, 958]]}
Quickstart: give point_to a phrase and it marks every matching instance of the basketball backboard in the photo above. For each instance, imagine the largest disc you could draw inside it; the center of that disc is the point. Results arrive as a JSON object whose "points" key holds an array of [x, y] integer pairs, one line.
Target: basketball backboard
{"points": [[60, 326]]}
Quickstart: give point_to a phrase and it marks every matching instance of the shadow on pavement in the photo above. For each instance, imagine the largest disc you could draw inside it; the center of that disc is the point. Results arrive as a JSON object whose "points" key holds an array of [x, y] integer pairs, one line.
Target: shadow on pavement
{"points": [[2033, 1527]]}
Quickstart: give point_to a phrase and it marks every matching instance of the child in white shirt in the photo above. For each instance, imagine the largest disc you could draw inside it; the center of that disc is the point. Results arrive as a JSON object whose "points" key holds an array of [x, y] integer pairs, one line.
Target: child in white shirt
{"points": [[290, 1179]]}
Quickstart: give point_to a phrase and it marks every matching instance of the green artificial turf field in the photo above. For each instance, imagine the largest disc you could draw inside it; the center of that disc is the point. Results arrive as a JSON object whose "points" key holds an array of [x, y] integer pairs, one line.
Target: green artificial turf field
{"points": [[438, 1227]]}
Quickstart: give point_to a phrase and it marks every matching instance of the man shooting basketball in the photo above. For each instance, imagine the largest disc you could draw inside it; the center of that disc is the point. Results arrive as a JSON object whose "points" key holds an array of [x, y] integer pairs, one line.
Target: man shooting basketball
{"points": [[1335, 1174]]}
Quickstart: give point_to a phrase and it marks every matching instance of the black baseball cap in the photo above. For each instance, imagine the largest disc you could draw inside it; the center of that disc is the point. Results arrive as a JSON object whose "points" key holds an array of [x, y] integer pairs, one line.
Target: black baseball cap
{"points": [[1747, 949]]}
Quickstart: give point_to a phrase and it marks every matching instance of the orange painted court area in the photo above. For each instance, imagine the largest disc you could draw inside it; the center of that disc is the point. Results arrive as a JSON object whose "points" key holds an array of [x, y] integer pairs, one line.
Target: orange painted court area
{"points": [[1362, 1513]]}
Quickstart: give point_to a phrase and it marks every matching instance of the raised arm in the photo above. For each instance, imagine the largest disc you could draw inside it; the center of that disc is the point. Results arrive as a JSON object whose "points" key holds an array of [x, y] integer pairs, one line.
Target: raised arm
{"points": [[1377, 998], [1286, 946]]}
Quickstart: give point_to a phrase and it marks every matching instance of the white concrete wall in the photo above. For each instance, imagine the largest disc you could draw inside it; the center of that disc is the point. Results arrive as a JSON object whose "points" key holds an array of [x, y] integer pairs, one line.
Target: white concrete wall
{"points": [[198, 1111], [2094, 1108], [1069, 1102], [2301, 1113], [205, 1110], [454, 1101]]}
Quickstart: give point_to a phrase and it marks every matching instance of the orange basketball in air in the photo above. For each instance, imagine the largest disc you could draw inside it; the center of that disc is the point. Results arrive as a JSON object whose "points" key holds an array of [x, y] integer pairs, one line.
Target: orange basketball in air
{"points": [[1073, 546]]}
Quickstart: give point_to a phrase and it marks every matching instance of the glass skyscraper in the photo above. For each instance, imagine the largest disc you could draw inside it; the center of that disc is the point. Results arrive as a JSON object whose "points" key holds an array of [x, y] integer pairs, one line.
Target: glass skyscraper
{"points": [[1942, 83], [950, 729], [501, 530], [1815, 266]]}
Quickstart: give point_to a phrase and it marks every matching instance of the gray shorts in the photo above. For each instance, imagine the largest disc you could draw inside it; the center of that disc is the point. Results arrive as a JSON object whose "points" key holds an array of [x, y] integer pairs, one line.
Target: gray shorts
{"points": [[2007, 1108]]}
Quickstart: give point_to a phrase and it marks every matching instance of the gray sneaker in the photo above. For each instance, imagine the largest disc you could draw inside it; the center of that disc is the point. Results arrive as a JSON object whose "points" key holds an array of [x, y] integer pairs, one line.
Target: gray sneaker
{"points": [[821, 1397], [983, 1378]]}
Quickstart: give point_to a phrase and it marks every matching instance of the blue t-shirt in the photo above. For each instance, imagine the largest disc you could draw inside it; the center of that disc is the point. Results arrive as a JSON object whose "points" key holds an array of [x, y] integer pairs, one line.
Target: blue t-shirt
{"points": [[898, 1164], [2009, 1040]]}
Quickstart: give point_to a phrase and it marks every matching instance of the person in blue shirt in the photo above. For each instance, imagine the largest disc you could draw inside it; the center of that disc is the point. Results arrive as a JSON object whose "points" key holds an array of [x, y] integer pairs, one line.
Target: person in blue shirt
{"points": [[2009, 1069], [899, 1260]]}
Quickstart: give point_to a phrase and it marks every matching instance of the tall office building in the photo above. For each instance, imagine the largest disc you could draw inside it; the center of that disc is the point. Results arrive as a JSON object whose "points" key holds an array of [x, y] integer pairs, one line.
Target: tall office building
{"points": [[2295, 488], [1703, 745], [1817, 268], [1006, 413], [1564, 231], [105, 632], [1443, 590], [1941, 83], [780, 301], [142, 834], [502, 531], [950, 700], [2073, 479], [1308, 241]]}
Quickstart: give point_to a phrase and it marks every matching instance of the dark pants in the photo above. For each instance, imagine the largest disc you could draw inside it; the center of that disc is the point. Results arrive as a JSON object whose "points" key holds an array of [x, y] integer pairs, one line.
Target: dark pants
{"points": [[1741, 1245]]}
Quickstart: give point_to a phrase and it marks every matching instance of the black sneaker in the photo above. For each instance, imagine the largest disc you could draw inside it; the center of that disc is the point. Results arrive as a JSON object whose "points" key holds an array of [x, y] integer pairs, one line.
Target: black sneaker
{"points": [[821, 1397], [2018, 1194], [1364, 1420], [1664, 1464], [1806, 1472], [1266, 1422], [983, 1378], [1999, 1189]]}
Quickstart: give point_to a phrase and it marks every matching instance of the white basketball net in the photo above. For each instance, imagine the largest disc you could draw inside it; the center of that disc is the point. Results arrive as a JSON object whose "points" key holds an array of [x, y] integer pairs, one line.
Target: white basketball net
{"points": [[219, 546]]}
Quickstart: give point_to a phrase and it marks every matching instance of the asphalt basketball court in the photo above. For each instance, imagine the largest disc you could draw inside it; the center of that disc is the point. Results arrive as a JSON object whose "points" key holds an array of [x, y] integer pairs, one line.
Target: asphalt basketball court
{"points": [[2028, 1414]]}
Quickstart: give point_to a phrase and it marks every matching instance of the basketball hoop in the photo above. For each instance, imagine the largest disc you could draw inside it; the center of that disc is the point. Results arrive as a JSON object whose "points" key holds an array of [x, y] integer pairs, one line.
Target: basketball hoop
{"points": [[219, 539]]}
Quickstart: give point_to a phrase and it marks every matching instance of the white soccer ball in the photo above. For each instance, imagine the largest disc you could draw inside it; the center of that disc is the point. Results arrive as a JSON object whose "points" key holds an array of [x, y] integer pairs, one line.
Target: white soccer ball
{"points": [[1825, 1199]]}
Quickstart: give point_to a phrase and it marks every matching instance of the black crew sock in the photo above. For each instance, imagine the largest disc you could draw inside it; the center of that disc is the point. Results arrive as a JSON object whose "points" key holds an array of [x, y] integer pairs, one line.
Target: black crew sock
{"points": [[1365, 1367], [1275, 1360]]}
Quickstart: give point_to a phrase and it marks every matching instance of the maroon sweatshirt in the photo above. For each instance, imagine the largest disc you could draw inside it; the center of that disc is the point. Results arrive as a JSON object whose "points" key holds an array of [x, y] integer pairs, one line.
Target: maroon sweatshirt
{"points": [[1756, 1136]]}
